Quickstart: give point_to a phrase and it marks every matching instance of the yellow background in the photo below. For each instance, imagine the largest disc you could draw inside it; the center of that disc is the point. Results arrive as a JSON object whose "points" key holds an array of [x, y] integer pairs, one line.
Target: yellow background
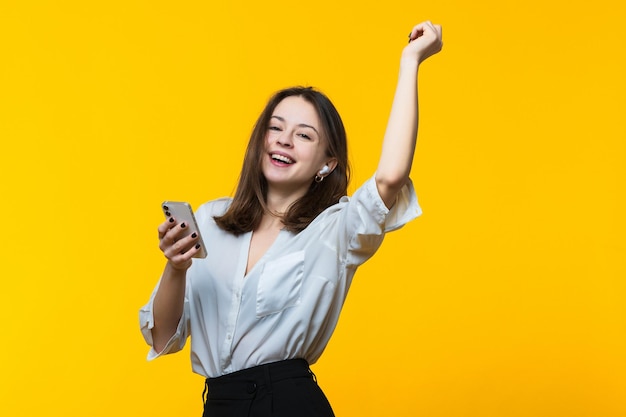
{"points": [[507, 298]]}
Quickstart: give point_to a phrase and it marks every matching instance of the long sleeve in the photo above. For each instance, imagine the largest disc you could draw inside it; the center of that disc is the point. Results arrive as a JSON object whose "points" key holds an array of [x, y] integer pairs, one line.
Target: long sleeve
{"points": [[178, 339]]}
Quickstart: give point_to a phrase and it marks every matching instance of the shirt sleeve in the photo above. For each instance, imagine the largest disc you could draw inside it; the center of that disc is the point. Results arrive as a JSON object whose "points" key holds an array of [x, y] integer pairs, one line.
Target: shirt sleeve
{"points": [[146, 323], [368, 219]]}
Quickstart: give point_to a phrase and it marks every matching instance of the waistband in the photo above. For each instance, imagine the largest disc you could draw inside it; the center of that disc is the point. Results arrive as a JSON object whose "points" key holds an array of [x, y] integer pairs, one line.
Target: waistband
{"points": [[244, 383]]}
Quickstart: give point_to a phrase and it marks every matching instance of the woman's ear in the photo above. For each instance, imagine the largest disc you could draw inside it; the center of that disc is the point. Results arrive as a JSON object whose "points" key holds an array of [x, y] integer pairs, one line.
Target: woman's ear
{"points": [[330, 166]]}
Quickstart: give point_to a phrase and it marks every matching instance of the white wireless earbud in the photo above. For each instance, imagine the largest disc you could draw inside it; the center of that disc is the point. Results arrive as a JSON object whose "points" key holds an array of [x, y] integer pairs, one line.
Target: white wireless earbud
{"points": [[324, 170]]}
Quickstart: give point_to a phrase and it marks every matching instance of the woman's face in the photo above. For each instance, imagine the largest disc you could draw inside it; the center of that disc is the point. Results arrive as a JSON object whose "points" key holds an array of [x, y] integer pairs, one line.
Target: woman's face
{"points": [[295, 148]]}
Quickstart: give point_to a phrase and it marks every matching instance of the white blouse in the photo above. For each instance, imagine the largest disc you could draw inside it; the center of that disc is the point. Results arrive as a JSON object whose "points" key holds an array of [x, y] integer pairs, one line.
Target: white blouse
{"points": [[288, 305]]}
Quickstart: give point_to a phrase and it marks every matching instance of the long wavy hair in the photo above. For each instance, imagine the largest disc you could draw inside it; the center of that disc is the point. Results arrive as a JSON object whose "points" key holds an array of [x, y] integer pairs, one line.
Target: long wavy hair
{"points": [[249, 202]]}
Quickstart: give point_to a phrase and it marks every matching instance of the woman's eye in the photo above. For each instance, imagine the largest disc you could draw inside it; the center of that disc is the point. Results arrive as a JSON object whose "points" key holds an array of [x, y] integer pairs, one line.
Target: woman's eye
{"points": [[304, 136], [274, 128]]}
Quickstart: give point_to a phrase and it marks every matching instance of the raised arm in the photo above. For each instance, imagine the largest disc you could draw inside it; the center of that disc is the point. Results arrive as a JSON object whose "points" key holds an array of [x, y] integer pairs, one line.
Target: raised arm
{"points": [[401, 135]]}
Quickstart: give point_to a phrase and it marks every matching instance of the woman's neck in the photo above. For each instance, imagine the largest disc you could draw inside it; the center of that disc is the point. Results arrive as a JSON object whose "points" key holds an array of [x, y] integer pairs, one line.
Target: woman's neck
{"points": [[270, 221], [278, 203]]}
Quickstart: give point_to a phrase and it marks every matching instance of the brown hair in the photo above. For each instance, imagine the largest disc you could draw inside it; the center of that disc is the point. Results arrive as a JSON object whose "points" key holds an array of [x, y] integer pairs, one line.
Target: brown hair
{"points": [[249, 203]]}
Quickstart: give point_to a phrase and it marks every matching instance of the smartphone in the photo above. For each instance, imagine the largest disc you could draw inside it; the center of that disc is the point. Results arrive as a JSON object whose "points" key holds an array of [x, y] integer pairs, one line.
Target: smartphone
{"points": [[182, 212]]}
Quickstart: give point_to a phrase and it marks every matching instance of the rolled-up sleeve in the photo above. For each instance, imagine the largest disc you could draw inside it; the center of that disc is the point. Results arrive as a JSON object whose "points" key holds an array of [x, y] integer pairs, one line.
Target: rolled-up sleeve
{"points": [[146, 323], [368, 219]]}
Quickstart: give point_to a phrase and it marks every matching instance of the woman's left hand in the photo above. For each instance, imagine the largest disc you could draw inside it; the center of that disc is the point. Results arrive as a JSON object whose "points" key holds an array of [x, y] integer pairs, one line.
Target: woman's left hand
{"points": [[424, 41]]}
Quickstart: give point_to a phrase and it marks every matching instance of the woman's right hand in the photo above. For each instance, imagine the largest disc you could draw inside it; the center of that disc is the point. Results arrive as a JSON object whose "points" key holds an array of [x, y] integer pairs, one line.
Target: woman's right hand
{"points": [[424, 40], [177, 248]]}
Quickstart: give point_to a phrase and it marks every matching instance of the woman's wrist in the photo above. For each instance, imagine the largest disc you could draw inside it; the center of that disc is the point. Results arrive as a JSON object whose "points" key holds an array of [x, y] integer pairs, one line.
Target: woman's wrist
{"points": [[409, 63], [178, 270]]}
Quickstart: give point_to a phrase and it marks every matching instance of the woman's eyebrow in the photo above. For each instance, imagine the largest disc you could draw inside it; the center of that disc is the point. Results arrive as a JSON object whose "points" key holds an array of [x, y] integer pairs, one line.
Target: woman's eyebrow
{"points": [[282, 119]]}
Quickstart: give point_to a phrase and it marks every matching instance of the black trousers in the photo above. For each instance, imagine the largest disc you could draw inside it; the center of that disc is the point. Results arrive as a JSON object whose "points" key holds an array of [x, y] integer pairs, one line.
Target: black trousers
{"points": [[280, 389]]}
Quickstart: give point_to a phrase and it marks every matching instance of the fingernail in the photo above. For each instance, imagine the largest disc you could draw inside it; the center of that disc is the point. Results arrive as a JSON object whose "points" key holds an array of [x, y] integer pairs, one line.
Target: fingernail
{"points": [[197, 246], [168, 214], [171, 220], [183, 225], [194, 235]]}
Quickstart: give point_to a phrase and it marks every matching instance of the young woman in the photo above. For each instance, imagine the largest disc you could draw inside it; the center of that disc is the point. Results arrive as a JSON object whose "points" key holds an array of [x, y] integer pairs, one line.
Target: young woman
{"points": [[282, 253]]}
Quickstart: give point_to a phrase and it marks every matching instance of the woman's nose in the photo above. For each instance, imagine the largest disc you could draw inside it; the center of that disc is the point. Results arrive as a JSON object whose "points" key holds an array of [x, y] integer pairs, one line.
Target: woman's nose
{"points": [[285, 140]]}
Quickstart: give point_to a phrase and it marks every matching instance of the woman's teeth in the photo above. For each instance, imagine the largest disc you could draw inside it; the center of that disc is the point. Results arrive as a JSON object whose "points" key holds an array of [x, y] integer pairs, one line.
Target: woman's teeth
{"points": [[282, 158]]}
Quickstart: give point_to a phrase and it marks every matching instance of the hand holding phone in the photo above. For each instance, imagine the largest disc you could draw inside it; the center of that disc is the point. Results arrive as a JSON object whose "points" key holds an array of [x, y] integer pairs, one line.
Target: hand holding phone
{"points": [[183, 213]]}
